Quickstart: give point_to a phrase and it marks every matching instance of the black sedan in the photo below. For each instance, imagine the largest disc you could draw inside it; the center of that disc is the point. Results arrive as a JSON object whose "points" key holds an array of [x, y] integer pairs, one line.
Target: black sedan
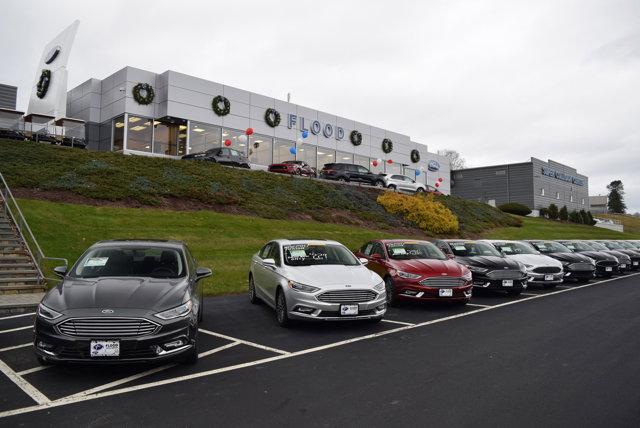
{"points": [[606, 264], [490, 268], [577, 267], [123, 300], [221, 155], [633, 254]]}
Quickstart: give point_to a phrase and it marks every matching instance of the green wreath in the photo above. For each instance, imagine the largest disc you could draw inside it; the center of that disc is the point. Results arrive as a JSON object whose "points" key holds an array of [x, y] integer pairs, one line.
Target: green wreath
{"points": [[387, 145], [221, 111], [415, 156], [43, 83], [272, 117], [355, 137], [143, 99]]}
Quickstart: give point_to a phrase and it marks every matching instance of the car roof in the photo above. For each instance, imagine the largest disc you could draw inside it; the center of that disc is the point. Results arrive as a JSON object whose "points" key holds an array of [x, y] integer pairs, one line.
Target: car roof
{"points": [[389, 241], [288, 241], [140, 243]]}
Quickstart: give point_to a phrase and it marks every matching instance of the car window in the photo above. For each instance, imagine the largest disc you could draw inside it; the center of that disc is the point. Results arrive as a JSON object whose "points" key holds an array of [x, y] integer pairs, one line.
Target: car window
{"points": [[366, 250], [264, 252], [311, 254], [377, 249], [397, 177], [472, 249], [362, 170], [408, 250], [352, 168], [274, 253], [234, 152], [152, 261], [514, 248]]}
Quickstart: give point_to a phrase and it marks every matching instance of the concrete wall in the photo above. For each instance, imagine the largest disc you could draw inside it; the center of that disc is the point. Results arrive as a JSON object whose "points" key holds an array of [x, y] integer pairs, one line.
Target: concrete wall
{"points": [[8, 96], [500, 183]]}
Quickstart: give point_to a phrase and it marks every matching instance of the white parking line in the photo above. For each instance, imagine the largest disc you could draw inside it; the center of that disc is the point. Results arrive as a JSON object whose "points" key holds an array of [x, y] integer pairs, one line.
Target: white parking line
{"points": [[33, 370], [70, 400], [475, 305], [396, 322], [15, 329], [11, 348], [245, 342], [530, 294], [17, 316], [29, 389]]}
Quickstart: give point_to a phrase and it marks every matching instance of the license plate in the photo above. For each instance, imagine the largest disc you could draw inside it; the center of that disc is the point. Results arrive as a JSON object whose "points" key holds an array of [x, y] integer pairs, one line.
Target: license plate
{"points": [[609, 269], [105, 348], [548, 277], [445, 292], [623, 266], [635, 263], [507, 283], [348, 309]]}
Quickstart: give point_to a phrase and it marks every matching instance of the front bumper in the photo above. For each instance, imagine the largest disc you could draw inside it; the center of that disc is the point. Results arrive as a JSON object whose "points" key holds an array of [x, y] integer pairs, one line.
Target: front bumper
{"points": [[315, 310], [487, 283], [64, 348], [413, 290], [541, 278]]}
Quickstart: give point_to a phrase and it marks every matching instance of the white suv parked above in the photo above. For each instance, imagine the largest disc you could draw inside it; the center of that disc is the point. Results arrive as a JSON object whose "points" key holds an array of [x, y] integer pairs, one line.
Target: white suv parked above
{"points": [[402, 182]]}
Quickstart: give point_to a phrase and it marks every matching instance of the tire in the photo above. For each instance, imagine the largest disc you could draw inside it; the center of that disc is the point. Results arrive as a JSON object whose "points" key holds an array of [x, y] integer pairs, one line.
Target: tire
{"points": [[392, 187], [343, 179], [375, 320], [392, 300], [253, 297], [201, 311], [298, 172], [420, 190], [281, 310], [379, 183]]}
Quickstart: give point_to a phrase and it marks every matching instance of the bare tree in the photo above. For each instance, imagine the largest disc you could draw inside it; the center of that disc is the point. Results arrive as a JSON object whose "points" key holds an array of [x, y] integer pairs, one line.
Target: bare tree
{"points": [[457, 162]]}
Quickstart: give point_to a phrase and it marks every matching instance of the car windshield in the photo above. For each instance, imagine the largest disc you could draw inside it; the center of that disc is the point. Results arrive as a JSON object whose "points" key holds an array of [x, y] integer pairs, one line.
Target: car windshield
{"points": [[311, 254], [471, 249], [155, 262], [414, 250], [613, 245], [578, 246], [515, 248], [597, 246], [551, 247], [627, 245]]}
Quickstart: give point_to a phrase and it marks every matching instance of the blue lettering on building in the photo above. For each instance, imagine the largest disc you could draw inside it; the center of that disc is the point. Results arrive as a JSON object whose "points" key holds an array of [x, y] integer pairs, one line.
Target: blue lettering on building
{"points": [[562, 176]]}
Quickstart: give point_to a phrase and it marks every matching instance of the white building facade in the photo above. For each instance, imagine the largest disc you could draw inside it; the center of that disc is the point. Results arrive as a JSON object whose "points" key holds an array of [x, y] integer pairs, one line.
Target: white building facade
{"points": [[172, 114]]}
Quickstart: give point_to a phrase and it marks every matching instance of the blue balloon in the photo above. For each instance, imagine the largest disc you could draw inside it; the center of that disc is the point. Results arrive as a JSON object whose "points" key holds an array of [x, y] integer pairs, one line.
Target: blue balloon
{"points": [[305, 133], [292, 150], [417, 172]]}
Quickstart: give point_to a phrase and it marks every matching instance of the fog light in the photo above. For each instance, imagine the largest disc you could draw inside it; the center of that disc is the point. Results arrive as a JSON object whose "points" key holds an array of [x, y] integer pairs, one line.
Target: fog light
{"points": [[304, 309], [410, 292], [381, 307], [45, 345], [173, 344]]}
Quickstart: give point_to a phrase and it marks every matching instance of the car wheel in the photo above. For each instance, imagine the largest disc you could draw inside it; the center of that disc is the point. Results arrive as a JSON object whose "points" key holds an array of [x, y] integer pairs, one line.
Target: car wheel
{"points": [[298, 171], [281, 309], [342, 179], [420, 190], [392, 300], [246, 165], [201, 311], [379, 183], [253, 297], [392, 187]]}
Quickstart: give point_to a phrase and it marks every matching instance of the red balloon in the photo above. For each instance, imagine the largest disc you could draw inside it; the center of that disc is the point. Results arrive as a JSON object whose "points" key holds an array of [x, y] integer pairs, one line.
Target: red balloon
{"points": [[374, 163], [249, 131], [440, 179], [389, 161], [437, 184], [227, 143]]}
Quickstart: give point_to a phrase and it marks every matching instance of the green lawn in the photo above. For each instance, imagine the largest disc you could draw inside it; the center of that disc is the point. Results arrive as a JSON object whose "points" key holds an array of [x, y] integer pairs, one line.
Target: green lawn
{"points": [[538, 228], [222, 241], [631, 224]]}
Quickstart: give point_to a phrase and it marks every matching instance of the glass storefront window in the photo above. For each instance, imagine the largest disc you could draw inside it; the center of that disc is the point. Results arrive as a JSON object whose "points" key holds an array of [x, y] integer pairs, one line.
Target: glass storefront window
{"points": [[376, 169], [362, 161], [325, 156], [344, 157], [260, 149], [204, 137], [140, 134], [410, 172], [233, 136], [118, 133], [281, 151], [308, 153], [169, 139], [393, 168]]}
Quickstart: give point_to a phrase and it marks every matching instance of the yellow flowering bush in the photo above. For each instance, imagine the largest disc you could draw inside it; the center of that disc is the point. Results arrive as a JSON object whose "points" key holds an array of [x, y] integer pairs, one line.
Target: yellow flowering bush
{"points": [[424, 211]]}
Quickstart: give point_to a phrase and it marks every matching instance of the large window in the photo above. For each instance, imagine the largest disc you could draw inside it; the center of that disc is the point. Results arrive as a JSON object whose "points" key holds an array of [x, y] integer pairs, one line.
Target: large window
{"points": [[118, 133], [169, 139], [281, 151], [233, 136], [203, 137], [325, 156], [344, 157], [140, 134], [308, 153], [260, 149]]}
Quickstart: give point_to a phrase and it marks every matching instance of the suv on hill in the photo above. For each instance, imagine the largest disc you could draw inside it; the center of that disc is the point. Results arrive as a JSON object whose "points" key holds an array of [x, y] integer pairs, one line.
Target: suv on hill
{"points": [[221, 155], [350, 172], [402, 182]]}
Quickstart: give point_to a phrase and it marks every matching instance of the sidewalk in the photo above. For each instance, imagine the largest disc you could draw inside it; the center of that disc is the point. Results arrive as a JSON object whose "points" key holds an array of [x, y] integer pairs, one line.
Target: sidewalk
{"points": [[17, 303]]}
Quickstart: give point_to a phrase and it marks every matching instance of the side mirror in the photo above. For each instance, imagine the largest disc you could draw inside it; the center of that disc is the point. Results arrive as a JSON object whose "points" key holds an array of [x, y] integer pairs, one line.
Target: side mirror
{"points": [[60, 271], [202, 273], [269, 262], [363, 261]]}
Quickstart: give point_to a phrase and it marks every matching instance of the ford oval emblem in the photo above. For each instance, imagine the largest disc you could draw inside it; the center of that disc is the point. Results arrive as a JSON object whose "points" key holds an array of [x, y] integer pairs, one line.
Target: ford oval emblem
{"points": [[433, 165], [107, 311], [97, 346]]}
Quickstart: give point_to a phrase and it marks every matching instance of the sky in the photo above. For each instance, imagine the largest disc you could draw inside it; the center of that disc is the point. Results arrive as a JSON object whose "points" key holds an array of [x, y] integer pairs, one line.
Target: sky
{"points": [[498, 81]]}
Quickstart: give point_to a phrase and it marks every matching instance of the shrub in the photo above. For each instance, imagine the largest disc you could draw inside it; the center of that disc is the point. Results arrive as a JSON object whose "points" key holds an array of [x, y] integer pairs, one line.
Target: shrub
{"points": [[584, 218], [591, 219], [543, 212], [563, 214], [552, 212], [424, 211], [574, 217], [515, 208]]}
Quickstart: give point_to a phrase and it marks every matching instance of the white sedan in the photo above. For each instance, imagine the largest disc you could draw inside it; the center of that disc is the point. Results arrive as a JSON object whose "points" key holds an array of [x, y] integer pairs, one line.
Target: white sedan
{"points": [[315, 280]]}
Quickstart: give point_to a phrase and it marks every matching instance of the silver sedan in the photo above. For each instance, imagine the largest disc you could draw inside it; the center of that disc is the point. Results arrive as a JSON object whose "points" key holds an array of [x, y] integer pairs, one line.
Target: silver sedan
{"points": [[315, 280]]}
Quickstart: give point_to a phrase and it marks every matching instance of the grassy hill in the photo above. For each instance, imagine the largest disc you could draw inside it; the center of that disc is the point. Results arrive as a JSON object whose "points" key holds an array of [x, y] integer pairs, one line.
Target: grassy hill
{"points": [[538, 228], [631, 224]]}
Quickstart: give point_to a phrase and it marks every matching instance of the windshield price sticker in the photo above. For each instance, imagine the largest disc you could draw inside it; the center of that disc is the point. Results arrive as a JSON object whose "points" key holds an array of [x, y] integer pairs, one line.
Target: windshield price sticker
{"points": [[460, 248], [96, 261], [398, 251], [297, 254]]}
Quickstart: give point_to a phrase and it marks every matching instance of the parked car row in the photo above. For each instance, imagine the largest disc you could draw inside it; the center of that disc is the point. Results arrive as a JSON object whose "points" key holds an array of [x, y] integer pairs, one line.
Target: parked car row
{"points": [[12, 134], [133, 300]]}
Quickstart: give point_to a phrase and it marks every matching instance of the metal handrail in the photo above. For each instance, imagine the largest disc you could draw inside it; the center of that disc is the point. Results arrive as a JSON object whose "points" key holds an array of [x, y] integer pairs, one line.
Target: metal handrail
{"points": [[33, 248]]}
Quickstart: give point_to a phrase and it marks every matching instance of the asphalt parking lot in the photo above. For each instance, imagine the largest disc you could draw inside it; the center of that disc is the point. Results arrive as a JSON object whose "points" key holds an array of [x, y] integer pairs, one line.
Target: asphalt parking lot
{"points": [[553, 357]]}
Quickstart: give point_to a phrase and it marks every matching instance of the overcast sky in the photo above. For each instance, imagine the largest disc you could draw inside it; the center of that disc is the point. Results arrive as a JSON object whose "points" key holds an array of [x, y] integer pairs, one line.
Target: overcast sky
{"points": [[499, 81]]}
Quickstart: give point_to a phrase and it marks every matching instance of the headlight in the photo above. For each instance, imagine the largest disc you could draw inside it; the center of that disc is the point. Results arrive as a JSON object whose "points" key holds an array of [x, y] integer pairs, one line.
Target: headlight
{"points": [[477, 269], [379, 287], [179, 311], [407, 275], [467, 276], [564, 263], [302, 287], [523, 267], [528, 266], [47, 313]]}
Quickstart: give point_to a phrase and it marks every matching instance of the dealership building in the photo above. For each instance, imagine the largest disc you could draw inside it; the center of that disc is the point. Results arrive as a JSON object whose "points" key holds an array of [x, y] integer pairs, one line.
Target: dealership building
{"points": [[536, 184], [171, 114]]}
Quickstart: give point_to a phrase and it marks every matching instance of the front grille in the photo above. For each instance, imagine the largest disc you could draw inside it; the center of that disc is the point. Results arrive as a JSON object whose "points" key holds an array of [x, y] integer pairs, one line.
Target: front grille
{"points": [[107, 327], [581, 266], [547, 269], [82, 352], [505, 274], [443, 282], [347, 296], [606, 263]]}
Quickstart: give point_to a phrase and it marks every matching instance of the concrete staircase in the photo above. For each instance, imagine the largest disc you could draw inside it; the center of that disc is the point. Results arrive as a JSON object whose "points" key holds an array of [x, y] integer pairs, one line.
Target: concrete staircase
{"points": [[18, 271]]}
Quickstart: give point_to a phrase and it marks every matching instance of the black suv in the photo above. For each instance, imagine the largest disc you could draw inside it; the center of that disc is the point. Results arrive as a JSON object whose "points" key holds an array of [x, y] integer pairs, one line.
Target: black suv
{"points": [[350, 172], [222, 155], [12, 134]]}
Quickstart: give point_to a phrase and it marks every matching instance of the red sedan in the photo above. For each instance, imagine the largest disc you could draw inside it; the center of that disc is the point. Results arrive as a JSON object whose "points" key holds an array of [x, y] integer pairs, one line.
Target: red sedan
{"points": [[417, 270], [293, 167]]}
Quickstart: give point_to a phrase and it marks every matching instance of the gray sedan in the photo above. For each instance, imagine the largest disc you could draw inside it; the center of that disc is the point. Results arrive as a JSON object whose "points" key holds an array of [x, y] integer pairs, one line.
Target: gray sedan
{"points": [[315, 280]]}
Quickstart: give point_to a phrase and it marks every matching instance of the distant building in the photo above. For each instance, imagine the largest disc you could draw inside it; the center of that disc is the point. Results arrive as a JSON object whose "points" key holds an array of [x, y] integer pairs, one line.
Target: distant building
{"points": [[8, 95], [599, 204]]}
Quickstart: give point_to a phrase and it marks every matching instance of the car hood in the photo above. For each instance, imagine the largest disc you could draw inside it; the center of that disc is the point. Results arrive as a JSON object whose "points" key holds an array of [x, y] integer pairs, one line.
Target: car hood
{"points": [[489, 262], [570, 257], [596, 255], [429, 267], [617, 254], [630, 253], [329, 275], [154, 294], [535, 260]]}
